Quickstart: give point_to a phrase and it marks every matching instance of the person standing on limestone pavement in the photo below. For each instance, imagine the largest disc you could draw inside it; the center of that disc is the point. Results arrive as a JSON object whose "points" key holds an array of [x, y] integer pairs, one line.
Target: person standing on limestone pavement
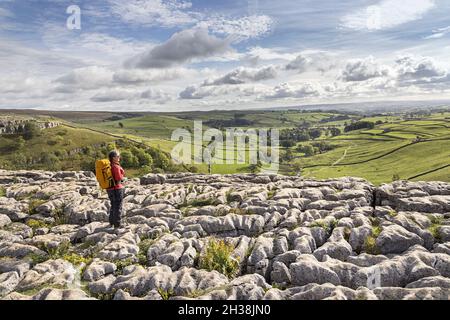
{"points": [[116, 193]]}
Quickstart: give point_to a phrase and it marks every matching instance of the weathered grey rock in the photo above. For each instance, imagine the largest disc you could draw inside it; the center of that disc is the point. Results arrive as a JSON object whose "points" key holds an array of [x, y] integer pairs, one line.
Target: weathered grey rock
{"points": [[331, 292], [102, 286], [152, 179], [280, 273], [396, 239], [366, 260], [412, 293], [172, 254], [307, 269], [124, 247], [15, 210], [16, 296], [59, 294], [98, 269], [20, 229], [17, 250], [358, 237], [8, 237], [83, 210], [52, 272], [337, 249], [8, 281], [14, 265], [4, 220], [444, 233], [442, 248], [429, 282], [49, 241], [248, 287], [308, 236]]}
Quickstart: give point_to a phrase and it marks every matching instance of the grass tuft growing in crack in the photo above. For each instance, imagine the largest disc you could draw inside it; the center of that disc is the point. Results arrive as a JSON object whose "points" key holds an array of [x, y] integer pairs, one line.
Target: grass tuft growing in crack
{"points": [[165, 294], [2, 192], [218, 257], [434, 228]]}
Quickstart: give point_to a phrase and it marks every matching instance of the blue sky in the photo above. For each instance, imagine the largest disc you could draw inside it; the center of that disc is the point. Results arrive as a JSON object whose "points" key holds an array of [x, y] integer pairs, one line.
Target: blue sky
{"points": [[158, 55]]}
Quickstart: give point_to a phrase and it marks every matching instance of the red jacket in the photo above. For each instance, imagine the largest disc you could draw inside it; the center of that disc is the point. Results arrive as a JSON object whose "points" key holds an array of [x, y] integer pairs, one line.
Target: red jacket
{"points": [[118, 174]]}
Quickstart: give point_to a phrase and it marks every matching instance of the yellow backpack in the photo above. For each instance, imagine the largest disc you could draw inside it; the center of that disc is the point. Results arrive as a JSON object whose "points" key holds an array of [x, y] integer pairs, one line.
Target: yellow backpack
{"points": [[103, 173]]}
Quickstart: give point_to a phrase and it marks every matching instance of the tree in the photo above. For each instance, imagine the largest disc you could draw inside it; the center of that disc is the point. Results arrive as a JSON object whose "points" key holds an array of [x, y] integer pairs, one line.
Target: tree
{"points": [[359, 125], [121, 124], [303, 136], [335, 131], [161, 160], [287, 143], [315, 133], [323, 146], [287, 156], [144, 159], [128, 160], [308, 150], [31, 130], [50, 161]]}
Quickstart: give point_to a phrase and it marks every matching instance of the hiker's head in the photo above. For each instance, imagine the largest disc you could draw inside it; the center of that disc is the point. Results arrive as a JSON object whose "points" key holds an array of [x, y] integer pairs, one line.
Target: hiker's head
{"points": [[114, 156]]}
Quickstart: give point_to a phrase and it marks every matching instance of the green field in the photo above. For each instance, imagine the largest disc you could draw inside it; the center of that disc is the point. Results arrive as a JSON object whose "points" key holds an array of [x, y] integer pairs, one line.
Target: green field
{"points": [[398, 145], [407, 162]]}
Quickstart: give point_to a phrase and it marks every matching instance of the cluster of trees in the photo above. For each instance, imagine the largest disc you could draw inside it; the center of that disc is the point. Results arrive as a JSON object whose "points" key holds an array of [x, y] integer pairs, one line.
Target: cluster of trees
{"points": [[290, 137], [144, 159], [359, 125], [315, 148], [340, 117], [237, 121]]}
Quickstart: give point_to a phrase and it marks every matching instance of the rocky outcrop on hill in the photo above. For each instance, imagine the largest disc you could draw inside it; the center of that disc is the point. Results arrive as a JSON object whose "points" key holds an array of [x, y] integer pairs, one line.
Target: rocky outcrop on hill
{"points": [[288, 238], [17, 126]]}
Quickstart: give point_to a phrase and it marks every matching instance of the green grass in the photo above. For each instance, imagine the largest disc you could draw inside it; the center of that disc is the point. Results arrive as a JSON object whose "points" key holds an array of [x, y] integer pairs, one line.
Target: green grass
{"points": [[328, 227], [144, 245], [202, 202], [436, 223], [64, 140], [37, 224], [407, 162], [361, 147], [166, 294], [154, 126], [439, 175], [370, 243], [63, 251], [218, 257], [122, 264], [2, 192]]}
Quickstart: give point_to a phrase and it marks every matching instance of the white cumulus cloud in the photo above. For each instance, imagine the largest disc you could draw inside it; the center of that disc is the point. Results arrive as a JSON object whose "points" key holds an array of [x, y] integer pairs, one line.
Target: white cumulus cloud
{"points": [[387, 14]]}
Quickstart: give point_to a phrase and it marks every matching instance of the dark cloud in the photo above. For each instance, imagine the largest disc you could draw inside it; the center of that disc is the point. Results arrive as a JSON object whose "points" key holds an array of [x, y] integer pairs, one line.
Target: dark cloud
{"points": [[182, 47], [364, 69], [244, 75]]}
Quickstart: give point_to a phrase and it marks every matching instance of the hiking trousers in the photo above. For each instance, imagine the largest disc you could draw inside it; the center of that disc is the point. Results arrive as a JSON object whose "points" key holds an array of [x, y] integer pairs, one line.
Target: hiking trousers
{"points": [[115, 212]]}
